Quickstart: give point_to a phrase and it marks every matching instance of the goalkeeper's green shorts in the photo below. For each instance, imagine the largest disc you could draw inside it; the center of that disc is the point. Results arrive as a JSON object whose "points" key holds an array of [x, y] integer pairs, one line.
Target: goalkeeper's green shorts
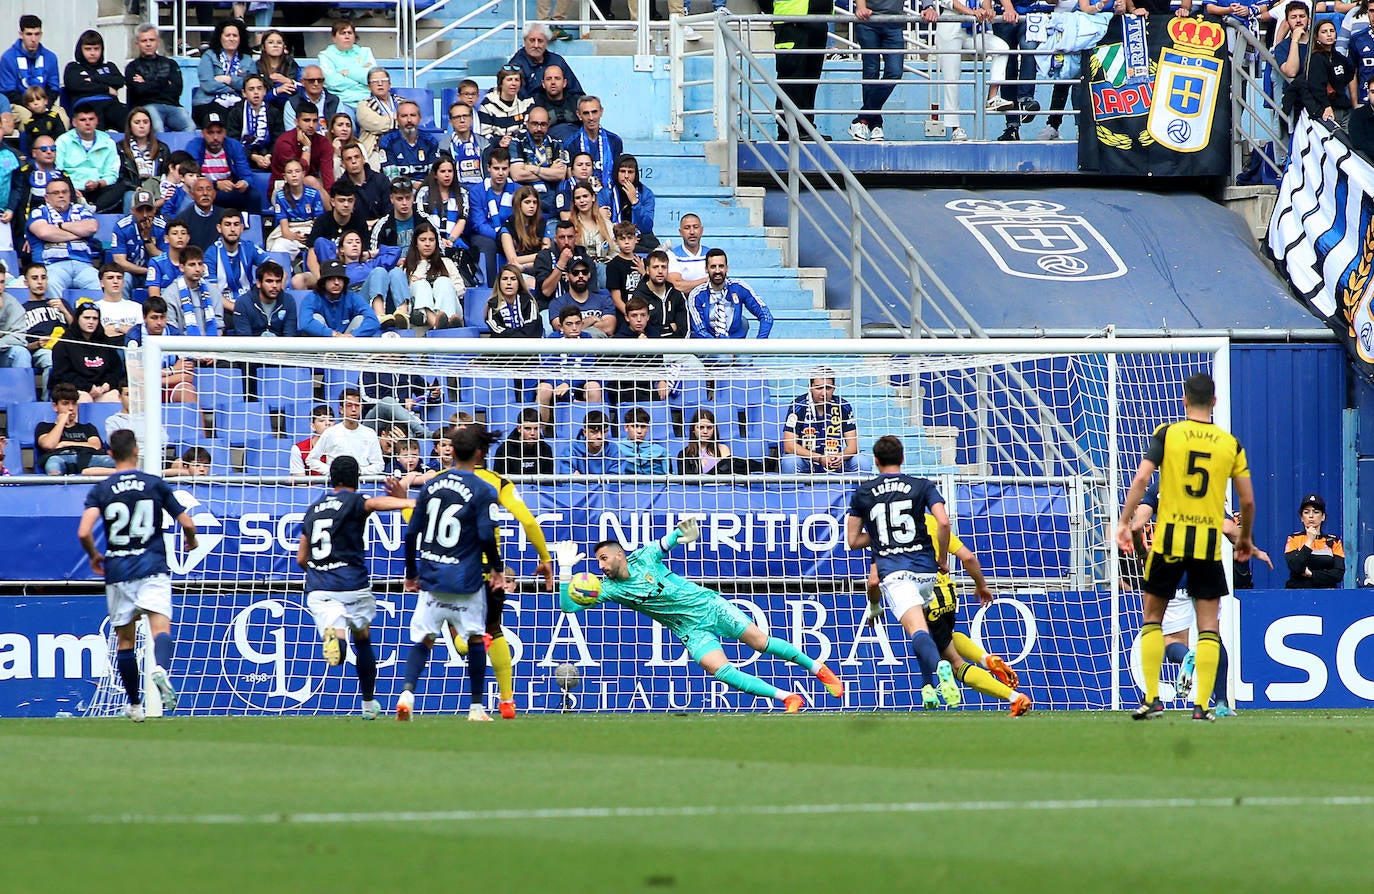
{"points": [[720, 619]]}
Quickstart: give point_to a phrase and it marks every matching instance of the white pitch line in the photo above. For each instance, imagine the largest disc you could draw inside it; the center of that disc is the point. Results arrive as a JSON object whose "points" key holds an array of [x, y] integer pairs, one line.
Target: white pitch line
{"points": [[596, 813]]}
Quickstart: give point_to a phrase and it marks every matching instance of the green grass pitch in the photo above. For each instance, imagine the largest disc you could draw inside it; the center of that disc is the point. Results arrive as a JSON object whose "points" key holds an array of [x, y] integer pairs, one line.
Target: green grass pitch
{"points": [[951, 802]]}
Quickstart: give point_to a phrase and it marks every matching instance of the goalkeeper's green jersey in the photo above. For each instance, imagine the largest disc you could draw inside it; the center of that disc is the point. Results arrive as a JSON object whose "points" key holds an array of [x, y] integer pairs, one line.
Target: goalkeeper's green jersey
{"points": [[668, 598]]}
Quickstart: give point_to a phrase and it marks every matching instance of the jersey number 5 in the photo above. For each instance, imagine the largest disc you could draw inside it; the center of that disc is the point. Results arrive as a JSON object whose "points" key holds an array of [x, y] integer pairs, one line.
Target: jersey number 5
{"points": [[123, 526], [321, 542], [1204, 477]]}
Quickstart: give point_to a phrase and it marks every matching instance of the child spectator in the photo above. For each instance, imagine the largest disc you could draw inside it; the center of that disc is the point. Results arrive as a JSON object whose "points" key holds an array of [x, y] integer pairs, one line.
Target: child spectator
{"points": [[174, 189], [321, 418], [117, 314], [442, 458], [637, 454], [563, 386], [704, 451], [297, 208], [408, 466], [43, 120], [630, 201], [645, 387], [178, 373], [164, 269], [69, 447], [522, 236], [525, 452], [193, 462], [625, 270], [590, 452], [192, 305]]}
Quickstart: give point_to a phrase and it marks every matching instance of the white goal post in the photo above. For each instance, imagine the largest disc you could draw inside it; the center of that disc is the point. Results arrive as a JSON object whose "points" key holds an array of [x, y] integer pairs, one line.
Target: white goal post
{"points": [[1031, 441]]}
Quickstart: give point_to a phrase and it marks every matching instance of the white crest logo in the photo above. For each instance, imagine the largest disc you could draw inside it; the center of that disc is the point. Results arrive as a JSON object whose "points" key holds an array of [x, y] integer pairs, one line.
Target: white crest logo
{"points": [[1037, 240], [209, 533]]}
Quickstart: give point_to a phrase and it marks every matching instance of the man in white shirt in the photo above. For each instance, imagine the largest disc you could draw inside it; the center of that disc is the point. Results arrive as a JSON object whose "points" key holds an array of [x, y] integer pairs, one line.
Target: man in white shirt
{"points": [[687, 260], [347, 438], [117, 314]]}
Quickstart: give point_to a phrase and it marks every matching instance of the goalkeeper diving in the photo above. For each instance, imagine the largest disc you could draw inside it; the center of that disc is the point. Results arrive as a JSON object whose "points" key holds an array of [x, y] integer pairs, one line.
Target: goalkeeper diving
{"points": [[697, 616]]}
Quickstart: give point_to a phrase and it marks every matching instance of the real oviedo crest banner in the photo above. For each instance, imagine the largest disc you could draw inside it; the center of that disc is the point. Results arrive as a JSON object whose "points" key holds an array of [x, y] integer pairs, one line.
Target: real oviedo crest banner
{"points": [[1321, 234], [1159, 99]]}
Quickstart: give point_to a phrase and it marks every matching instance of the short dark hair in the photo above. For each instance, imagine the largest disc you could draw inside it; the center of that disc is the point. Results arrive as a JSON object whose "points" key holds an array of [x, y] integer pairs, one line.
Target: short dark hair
{"points": [[529, 414], [596, 419], [178, 225], [888, 451], [564, 224], [318, 409], [154, 304], [196, 455], [123, 443], [343, 188], [1199, 390], [348, 392], [344, 472], [109, 267], [29, 21], [32, 264], [623, 229], [230, 214], [636, 416], [468, 439], [657, 254], [716, 253], [270, 268], [568, 311], [615, 543], [635, 304], [64, 391], [192, 253], [500, 153]]}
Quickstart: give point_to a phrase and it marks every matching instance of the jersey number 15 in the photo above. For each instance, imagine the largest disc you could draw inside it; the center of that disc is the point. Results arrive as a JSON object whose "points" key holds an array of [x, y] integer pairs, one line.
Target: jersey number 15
{"points": [[895, 522]]}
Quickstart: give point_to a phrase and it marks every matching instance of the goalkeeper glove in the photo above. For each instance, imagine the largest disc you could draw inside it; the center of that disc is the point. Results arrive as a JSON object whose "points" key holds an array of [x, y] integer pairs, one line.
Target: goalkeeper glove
{"points": [[873, 613], [688, 530], [568, 555]]}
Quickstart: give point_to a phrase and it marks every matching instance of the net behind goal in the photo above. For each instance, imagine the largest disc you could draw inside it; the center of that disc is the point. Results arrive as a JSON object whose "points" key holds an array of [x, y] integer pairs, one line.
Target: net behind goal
{"points": [[1031, 442]]}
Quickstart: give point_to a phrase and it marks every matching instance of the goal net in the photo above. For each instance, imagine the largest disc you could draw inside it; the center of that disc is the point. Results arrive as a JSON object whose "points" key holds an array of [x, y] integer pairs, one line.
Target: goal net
{"points": [[1032, 443]]}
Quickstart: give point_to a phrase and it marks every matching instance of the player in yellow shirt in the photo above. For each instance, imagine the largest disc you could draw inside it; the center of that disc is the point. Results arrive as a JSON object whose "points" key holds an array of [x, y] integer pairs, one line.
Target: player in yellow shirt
{"points": [[1195, 459], [969, 664], [498, 650]]}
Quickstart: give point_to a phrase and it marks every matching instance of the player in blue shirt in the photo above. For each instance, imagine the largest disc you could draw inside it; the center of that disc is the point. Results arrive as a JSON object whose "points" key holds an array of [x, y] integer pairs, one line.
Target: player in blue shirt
{"points": [[697, 616], [138, 582], [450, 543], [338, 591], [887, 514]]}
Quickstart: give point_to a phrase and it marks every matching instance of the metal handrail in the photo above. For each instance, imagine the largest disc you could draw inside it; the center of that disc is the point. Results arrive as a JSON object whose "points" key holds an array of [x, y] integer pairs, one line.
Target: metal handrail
{"points": [[1254, 124], [178, 25], [515, 25]]}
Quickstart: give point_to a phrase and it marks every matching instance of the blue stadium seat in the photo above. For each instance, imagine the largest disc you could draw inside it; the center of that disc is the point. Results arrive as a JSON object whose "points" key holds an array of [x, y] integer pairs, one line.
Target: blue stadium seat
{"points": [[426, 100], [475, 306], [175, 140], [456, 332], [298, 295], [17, 385], [184, 424], [241, 423], [71, 296], [220, 386], [743, 396], [252, 227], [280, 387], [14, 457], [105, 233], [269, 456], [96, 414], [23, 416], [689, 397], [335, 381], [11, 261]]}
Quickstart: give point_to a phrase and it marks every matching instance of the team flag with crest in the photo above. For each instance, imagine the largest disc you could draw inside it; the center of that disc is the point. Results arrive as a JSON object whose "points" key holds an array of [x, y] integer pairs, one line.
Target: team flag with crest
{"points": [[1160, 99], [1320, 234]]}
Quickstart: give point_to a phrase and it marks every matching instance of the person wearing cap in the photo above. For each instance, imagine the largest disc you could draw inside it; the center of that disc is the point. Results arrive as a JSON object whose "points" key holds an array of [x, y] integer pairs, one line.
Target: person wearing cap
{"points": [[1316, 560], [60, 236], [139, 236], [224, 161], [335, 311], [598, 310], [408, 151], [89, 158]]}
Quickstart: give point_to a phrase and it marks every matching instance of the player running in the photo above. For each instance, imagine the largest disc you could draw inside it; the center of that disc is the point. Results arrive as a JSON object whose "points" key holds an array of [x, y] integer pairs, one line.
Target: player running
{"points": [[887, 513], [451, 536], [696, 615], [1195, 458], [338, 591], [1179, 616], [134, 564], [498, 649], [975, 668]]}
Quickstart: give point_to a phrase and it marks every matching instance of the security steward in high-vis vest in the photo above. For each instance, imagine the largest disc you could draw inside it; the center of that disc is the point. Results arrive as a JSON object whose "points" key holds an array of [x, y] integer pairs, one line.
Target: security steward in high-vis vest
{"points": [[803, 67]]}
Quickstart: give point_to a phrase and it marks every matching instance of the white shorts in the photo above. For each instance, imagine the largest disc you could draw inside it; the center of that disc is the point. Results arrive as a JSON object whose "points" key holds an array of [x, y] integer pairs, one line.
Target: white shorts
{"points": [[467, 612], [905, 590], [1178, 614], [128, 599], [354, 609]]}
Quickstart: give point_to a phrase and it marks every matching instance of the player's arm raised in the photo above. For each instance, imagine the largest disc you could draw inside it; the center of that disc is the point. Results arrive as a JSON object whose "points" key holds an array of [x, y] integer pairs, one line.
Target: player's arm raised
{"points": [[85, 532], [394, 500], [511, 502], [941, 537]]}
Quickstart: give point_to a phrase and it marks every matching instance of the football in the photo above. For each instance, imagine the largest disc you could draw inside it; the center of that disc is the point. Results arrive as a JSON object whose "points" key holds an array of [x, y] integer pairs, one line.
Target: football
{"points": [[584, 588], [566, 676]]}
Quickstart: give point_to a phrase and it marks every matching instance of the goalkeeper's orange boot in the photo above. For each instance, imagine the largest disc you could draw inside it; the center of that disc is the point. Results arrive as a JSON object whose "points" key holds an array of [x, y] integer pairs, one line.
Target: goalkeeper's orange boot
{"points": [[832, 683], [507, 710], [1004, 674], [405, 706], [792, 704], [1020, 705]]}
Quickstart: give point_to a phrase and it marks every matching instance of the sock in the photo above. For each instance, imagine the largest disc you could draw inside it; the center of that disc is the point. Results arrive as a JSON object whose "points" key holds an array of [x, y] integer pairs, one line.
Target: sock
{"points": [[733, 676], [477, 670], [1151, 659], [968, 650], [1219, 694], [927, 656], [415, 663], [980, 680], [498, 653], [366, 667], [127, 662], [1175, 653], [163, 645], [1208, 657], [788, 652]]}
